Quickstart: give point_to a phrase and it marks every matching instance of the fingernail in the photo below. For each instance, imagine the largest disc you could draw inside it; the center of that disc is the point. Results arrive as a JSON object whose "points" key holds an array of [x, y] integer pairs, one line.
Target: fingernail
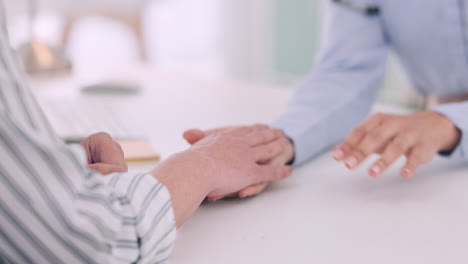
{"points": [[406, 173], [338, 154], [351, 162], [375, 170]]}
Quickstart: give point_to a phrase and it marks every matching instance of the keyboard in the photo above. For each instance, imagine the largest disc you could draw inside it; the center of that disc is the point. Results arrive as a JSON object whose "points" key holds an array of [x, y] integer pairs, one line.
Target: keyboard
{"points": [[76, 120]]}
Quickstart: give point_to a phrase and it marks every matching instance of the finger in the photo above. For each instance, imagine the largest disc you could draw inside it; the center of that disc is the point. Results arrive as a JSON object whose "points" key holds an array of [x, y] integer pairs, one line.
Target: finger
{"points": [[194, 135], [399, 146], [217, 198], [259, 137], [268, 173], [103, 149], [415, 158], [244, 130], [258, 127], [373, 141], [111, 153], [341, 151], [252, 190], [267, 152], [286, 155], [106, 169]]}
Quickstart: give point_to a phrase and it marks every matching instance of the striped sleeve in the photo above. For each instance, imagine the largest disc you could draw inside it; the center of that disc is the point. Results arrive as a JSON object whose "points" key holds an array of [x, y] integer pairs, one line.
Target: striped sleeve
{"points": [[53, 209], [18, 100]]}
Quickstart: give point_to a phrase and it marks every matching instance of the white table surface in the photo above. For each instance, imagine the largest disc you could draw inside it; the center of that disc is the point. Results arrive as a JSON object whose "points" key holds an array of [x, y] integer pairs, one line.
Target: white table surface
{"points": [[322, 214]]}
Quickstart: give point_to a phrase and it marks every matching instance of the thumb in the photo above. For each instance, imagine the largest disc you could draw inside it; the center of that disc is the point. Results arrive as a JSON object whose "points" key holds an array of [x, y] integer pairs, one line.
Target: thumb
{"points": [[194, 135]]}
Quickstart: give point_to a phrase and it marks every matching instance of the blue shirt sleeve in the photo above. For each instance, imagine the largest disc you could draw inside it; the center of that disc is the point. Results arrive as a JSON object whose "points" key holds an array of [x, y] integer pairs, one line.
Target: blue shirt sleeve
{"points": [[457, 114], [341, 89]]}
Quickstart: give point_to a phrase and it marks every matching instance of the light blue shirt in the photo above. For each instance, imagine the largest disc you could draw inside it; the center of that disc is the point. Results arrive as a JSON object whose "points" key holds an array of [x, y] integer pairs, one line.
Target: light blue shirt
{"points": [[430, 38]]}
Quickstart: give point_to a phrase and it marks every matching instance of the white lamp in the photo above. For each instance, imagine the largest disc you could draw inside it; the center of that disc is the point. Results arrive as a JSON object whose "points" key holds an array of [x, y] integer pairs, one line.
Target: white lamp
{"points": [[39, 58]]}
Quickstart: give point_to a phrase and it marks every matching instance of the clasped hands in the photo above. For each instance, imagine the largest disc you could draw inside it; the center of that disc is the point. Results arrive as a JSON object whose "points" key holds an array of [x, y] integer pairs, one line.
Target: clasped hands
{"points": [[418, 137], [246, 159], [239, 160]]}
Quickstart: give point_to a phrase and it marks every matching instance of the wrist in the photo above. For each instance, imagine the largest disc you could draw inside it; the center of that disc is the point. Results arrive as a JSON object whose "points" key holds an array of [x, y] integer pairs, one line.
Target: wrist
{"points": [[187, 177], [197, 169]]}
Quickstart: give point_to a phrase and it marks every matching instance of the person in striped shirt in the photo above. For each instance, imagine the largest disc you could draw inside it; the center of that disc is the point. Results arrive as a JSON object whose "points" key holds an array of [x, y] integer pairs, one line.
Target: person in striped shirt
{"points": [[56, 205]]}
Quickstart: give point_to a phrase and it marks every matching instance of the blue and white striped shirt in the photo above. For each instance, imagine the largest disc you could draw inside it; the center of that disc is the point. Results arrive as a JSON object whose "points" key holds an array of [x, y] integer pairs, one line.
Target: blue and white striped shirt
{"points": [[52, 208]]}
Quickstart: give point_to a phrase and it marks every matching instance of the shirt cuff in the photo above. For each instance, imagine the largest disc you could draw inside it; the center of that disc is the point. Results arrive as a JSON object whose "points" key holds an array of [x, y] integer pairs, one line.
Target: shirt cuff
{"points": [[307, 144], [458, 118], [79, 152], [151, 213]]}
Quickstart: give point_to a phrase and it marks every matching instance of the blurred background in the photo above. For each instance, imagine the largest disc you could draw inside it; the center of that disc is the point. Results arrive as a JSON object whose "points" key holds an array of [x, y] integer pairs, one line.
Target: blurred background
{"points": [[271, 41]]}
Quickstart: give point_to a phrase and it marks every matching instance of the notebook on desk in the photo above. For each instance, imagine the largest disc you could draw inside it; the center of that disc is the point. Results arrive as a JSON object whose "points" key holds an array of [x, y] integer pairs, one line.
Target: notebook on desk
{"points": [[75, 120], [138, 150]]}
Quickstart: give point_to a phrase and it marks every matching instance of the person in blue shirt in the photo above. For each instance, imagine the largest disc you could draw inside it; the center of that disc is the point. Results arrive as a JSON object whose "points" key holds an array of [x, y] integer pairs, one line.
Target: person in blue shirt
{"points": [[429, 37]]}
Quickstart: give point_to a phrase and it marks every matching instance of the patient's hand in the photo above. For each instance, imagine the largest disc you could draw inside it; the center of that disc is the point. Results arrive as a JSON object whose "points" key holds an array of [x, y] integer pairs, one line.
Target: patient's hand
{"points": [[104, 154], [220, 164], [281, 149]]}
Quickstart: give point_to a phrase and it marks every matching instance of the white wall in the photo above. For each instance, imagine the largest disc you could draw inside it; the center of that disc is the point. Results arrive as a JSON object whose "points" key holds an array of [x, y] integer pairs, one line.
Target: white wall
{"points": [[214, 38]]}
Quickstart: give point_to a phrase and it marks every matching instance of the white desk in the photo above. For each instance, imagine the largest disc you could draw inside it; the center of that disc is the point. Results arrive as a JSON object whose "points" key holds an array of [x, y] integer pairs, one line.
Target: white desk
{"points": [[323, 213]]}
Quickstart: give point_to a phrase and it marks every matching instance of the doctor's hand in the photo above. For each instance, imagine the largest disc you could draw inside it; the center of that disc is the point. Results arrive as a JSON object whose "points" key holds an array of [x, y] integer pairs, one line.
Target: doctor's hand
{"points": [[281, 152], [419, 137], [104, 154]]}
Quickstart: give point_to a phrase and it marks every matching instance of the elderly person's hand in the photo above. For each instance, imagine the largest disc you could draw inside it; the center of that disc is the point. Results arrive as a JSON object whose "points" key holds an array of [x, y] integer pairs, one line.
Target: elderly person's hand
{"points": [[419, 137], [104, 154], [280, 148]]}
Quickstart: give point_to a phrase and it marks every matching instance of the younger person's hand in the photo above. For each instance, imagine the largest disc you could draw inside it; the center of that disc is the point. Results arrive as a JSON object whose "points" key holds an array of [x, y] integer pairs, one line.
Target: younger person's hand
{"points": [[419, 137], [104, 154]]}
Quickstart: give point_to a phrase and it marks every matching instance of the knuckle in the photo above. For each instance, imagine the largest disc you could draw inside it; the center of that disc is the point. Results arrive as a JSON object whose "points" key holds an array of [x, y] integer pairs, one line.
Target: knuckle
{"points": [[410, 134], [374, 137], [270, 150], [284, 142], [270, 134], [345, 146], [276, 148], [261, 137], [398, 147], [357, 132]]}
